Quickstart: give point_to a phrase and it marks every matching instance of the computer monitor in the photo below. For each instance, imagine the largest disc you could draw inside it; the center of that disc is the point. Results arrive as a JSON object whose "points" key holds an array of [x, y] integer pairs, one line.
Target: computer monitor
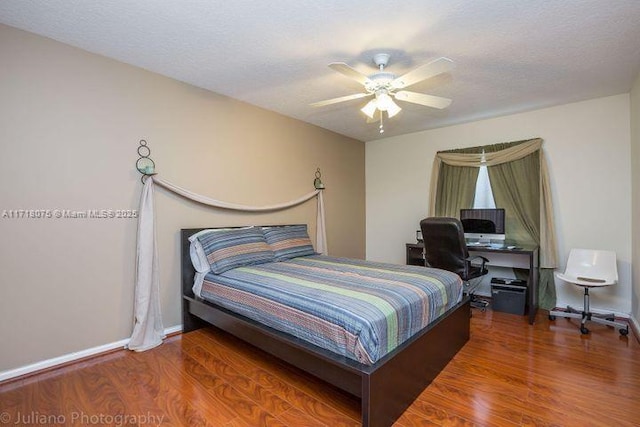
{"points": [[483, 225]]}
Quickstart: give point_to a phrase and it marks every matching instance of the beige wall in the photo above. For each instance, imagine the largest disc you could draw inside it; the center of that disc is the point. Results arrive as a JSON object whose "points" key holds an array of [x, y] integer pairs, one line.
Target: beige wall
{"points": [[635, 196], [587, 146], [70, 122]]}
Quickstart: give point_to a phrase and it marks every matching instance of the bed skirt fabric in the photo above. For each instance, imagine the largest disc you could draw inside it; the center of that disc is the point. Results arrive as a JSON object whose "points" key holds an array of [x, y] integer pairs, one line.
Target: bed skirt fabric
{"points": [[358, 309]]}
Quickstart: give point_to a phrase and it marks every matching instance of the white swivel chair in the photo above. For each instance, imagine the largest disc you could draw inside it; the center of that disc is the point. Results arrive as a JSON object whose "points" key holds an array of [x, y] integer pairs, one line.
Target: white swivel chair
{"points": [[590, 269]]}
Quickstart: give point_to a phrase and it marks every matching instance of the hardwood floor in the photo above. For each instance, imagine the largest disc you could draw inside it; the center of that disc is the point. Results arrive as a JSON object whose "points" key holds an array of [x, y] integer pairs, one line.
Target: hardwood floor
{"points": [[508, 374]]}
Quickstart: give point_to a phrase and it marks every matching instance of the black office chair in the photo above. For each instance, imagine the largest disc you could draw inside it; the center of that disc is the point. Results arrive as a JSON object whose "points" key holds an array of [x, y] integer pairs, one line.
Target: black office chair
{"points": [[445, 248]]}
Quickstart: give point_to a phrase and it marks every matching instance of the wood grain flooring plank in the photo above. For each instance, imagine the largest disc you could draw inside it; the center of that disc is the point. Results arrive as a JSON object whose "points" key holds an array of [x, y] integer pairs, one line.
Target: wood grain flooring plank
{"points": [[295, 417], [184, 399], [303, 391], [434, 410], [251, 389], [320, 409], [127, 377], [246, 409], [495, 402]]}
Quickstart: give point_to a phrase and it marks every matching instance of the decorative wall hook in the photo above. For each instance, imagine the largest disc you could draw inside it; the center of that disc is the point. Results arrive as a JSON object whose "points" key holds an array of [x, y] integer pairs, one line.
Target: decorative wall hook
{"points": [[317, 183], [145, 165]]}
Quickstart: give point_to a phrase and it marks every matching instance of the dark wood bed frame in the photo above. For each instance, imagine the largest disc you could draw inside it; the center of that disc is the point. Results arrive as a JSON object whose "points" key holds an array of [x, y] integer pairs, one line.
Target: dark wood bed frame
{"points": [[386, 388]]}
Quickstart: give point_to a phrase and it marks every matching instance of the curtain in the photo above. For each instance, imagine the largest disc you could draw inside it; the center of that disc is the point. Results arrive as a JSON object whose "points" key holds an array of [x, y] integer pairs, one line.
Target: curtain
{"points": [[549, 256], [456, 186], [516, 187], [148, 331], [475, 159], [512, 166]]}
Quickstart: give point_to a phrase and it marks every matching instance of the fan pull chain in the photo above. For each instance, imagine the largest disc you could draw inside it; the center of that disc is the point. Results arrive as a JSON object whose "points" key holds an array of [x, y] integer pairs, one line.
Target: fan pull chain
{"points": [[381, 124]]}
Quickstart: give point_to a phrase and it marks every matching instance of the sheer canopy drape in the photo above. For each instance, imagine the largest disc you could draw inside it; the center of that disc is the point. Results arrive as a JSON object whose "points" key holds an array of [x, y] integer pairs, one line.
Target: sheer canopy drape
{"points": [[519, 179], [148, 331]]}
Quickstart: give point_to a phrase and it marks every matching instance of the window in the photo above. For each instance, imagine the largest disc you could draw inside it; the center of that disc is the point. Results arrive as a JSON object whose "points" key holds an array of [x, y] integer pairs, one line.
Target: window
{"points": [[484, 195]]}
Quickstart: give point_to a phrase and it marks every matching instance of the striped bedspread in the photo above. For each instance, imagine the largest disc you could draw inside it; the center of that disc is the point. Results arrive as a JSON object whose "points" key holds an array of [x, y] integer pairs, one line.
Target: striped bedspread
{"points": [[358, 309]]}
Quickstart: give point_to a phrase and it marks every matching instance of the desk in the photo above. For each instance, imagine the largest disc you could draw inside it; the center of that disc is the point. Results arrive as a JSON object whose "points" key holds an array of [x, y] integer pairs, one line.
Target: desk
{"points": [[525, 257]]}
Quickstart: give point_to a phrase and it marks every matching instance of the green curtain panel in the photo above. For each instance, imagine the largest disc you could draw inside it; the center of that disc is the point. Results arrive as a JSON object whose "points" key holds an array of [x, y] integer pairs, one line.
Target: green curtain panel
{"points": [[516, 187], [546, 289], [456, 186]]}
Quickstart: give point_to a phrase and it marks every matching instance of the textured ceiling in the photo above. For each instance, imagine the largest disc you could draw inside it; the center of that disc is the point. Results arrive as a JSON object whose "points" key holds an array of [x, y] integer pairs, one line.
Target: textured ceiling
{"points": [[510, 55]]}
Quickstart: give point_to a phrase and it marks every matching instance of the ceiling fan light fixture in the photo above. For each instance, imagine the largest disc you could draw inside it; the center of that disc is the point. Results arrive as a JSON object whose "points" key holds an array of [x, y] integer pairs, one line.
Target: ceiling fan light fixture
{"points": [[393, 109], [370, 108], [383, 101]]}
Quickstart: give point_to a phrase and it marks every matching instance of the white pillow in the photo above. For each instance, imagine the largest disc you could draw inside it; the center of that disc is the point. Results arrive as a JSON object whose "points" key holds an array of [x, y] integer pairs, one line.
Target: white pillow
{"points": [[198, 257]]}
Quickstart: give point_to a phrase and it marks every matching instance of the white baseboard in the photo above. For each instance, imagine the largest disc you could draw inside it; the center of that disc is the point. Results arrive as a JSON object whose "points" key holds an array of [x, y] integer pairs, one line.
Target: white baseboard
{"points": [[71, 357]]}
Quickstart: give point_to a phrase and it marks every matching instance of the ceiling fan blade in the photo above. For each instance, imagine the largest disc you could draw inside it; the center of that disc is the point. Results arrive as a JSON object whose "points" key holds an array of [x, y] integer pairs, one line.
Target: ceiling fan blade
{"points": [[352, 73], [340, 99], [423, 99], [433, 68]]}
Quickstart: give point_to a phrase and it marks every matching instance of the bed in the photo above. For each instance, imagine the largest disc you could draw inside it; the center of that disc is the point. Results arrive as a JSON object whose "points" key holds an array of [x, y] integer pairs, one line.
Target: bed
{"points": [[387, 382]]}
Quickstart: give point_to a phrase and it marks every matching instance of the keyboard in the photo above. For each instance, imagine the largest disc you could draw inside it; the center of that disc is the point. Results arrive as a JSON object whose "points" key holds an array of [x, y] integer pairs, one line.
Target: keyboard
{"points": [[488, 245]]}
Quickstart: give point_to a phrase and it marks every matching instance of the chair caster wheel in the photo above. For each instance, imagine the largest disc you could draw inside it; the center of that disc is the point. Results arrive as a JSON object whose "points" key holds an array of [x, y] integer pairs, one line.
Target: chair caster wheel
{"points": [[624, 332], [583, 330], [552, 317]]}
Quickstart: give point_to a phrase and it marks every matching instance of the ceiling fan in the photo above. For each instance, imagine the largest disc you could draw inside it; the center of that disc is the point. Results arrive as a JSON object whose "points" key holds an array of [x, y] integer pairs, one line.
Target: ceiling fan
{"points": [[385, 86]]}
